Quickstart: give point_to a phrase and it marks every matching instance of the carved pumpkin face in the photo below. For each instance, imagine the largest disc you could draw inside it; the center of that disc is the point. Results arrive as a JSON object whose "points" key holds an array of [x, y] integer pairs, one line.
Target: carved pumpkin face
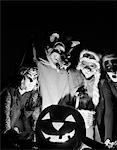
{"points": [[59, 127]]}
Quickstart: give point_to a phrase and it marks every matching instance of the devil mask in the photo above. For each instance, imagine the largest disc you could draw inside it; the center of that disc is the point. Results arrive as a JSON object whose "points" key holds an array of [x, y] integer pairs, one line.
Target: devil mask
{"points": [[59, 127]]}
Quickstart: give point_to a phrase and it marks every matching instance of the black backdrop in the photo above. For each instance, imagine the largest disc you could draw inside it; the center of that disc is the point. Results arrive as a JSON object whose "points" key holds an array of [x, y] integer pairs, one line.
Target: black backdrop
{"points": [[93, 23]]}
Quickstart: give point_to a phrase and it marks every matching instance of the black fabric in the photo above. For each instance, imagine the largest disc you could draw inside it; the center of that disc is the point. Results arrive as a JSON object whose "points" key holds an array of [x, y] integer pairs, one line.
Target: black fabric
{"points": [[68, 100], [113, 97], [85, 101], [107, 111], [21, 109], [11, 140]]}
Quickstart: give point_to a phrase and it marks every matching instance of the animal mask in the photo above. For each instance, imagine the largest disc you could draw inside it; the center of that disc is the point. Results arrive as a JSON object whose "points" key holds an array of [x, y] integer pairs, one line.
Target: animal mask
{"points": [[59, 50]]}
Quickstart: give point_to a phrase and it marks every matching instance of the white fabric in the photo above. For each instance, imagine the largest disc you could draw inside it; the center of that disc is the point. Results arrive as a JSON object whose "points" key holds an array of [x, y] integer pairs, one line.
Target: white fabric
{"points": [[90, 133], [54, 85], [88, 117]]}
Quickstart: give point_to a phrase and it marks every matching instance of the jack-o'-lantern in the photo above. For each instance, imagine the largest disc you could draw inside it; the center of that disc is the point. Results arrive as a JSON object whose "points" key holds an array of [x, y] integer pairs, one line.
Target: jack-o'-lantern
{"points": [[60, 127]]}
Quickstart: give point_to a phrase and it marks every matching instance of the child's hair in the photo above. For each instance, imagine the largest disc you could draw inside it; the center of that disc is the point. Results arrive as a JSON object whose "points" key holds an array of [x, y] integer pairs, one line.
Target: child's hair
{"points": [[23, 72]]}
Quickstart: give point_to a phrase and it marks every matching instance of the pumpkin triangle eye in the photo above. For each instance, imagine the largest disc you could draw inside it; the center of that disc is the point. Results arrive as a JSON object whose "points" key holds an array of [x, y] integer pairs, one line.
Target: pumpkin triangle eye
{"points": [[47, 116], [70, 118]]}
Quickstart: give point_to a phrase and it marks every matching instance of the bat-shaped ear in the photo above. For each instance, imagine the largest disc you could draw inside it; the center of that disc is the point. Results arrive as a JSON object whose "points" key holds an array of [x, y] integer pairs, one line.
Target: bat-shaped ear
{"points": [[54, 36], [74, 43]]}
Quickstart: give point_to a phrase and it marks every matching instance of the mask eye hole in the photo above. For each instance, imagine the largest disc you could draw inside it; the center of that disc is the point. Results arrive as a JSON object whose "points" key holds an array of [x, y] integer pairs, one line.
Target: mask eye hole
{"points": [[70, 118], [88, 56], [47, 116], [31, 80]]}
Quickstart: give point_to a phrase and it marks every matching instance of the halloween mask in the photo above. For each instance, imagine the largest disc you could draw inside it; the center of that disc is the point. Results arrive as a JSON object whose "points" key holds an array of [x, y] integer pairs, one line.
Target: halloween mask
{"points": [[30, 79], [88, 63], [110, 66], [57, 56], [59, 127], [58, 51]]}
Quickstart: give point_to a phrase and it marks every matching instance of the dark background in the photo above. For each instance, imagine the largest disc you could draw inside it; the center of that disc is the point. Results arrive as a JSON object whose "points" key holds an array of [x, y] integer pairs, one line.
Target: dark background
{"points": [[93, 23]]}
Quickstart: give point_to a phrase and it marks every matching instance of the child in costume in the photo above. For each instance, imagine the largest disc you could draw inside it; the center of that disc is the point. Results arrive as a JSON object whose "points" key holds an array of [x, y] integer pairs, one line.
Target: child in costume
{"points": [[22, 104], [109, 63], [88, 95], [55, 79]]}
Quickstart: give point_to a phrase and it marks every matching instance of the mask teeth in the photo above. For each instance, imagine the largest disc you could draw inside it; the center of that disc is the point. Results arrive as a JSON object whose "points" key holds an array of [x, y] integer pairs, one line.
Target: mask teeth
{"points": [[114, 76], [60, 137], [69, 137]]}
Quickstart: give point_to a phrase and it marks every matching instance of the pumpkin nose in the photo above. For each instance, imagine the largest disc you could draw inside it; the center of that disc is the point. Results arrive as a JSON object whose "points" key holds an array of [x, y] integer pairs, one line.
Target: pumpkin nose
{"points": [[57, 125]]}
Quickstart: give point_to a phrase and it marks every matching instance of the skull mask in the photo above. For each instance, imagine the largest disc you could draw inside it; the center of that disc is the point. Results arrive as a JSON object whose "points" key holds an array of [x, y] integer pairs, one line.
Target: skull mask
{"points": [[110, 66], [88, 63]]}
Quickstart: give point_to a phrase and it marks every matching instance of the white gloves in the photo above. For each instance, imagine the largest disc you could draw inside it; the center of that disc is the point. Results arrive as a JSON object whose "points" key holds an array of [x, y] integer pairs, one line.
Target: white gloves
{"points": [[110, 144]]}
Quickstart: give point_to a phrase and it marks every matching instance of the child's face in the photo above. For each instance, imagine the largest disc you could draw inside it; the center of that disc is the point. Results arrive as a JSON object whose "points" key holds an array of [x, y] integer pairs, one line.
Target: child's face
{"points": [[31, 81]]}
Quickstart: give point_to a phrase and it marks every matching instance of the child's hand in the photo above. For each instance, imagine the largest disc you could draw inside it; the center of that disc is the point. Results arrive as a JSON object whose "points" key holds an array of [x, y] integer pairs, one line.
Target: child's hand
{"points": [[17, 130]]}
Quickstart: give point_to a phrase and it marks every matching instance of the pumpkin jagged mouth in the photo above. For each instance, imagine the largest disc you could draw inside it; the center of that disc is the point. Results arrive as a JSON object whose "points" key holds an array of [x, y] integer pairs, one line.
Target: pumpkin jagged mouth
{"points": [[58, 138]]}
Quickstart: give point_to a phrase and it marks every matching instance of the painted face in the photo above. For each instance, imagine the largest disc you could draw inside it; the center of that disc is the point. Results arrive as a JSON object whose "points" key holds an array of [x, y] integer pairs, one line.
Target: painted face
{"points": [[31, 80], [88, 69], [111, 69], [59, 127]]}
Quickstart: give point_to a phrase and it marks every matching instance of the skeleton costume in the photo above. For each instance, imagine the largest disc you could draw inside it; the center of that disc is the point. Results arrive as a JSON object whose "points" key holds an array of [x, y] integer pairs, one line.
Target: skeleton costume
{"points": [[110, 91], [56, 82], [88, 94]]}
